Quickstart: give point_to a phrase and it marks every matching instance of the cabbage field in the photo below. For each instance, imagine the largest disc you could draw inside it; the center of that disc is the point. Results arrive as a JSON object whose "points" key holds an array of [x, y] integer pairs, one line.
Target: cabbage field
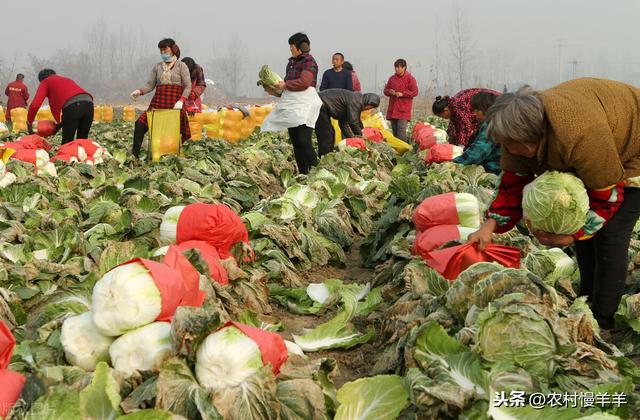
{"points": [[327, 309]]}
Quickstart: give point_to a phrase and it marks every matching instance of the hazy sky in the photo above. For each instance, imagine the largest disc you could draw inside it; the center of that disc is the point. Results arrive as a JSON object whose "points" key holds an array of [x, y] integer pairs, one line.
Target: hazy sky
{"points": [[512, 40]]}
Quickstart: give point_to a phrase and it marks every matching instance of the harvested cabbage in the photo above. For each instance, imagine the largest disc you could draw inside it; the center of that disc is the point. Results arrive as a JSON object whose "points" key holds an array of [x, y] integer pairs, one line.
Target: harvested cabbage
{"points": [[550, 264], [227, 358], [83, 345], [556, 202], [268, 78], [142, 349], [125, 298], [169, 225]]}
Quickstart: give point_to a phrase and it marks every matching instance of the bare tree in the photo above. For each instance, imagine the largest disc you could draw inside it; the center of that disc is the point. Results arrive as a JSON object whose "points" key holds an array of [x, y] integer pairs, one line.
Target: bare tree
{"points": [[98, 48], [8, 69], [232, 67], [460, 43]]}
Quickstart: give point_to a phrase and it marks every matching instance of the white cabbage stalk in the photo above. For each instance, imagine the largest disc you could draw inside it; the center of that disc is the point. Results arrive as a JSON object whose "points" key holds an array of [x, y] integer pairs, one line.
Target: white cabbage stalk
{"points": [[81, 154], [303, 196], [468, 209], [125, 298], [318, 292], [142, 349], [160, 251], [83, 345], [41, 254], [456, 151], [169, 225], [293, 348], [42, 158], [465, 232], [227, 358], [48, 169], [97, 154], [441, 136], [7, 179]]}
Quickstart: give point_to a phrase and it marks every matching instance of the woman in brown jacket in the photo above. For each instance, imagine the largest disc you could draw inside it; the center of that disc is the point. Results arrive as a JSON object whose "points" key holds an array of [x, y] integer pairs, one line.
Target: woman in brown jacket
{"points": [[590, 127]]}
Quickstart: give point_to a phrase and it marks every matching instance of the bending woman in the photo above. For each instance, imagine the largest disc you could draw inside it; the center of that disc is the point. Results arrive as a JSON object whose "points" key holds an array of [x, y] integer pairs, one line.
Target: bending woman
{"points": [[589, 127], [171, 80]]}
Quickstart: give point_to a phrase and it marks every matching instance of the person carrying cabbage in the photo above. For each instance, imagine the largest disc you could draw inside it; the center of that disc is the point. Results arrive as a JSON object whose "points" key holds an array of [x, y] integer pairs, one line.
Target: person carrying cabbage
{"points": [[591, 128], [299, 105]]}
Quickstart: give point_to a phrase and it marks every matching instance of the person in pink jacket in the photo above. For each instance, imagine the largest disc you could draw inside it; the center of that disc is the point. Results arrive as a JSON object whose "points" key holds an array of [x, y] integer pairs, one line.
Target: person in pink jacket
{"points": [[401, 89]]}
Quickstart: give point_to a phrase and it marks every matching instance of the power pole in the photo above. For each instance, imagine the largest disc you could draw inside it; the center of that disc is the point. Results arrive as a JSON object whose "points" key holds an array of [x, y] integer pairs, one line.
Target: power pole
{"points": [[574, 65], [560, 46]]}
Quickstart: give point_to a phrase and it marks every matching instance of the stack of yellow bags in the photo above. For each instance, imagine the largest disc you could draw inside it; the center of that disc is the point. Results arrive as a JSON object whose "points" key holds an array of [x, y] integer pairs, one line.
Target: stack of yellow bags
{"points": [[19, 119]]}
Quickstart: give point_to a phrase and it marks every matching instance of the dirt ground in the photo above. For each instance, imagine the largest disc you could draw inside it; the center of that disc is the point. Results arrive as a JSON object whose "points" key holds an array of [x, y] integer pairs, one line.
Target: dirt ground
{"points": [[352, 363]]}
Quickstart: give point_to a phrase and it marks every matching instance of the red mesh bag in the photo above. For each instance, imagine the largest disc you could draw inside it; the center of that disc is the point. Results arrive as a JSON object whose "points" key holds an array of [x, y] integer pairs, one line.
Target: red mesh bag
{"points": [[215, 224], [450, 262], [271, 345], [357, 143], [372, 134]]}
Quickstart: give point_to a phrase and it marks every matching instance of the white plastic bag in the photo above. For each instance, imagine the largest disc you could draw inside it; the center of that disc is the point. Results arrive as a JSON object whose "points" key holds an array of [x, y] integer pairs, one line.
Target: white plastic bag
{"points": [[293, 110]]}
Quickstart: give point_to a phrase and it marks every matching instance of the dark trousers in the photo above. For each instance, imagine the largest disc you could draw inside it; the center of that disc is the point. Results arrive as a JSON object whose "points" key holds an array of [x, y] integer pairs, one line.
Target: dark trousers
{"points": [[603, 260], [325, 132], [399, 128], [139, 131], [76, 121], [303, 148]]}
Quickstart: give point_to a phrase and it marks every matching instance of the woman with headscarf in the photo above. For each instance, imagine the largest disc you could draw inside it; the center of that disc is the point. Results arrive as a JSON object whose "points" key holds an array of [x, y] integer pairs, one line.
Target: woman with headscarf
{"points": [[591, 128], [463, 125], [172, 83], [198, 85]]}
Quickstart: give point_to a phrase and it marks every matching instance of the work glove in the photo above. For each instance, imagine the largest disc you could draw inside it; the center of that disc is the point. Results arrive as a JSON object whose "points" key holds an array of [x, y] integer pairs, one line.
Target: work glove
{"points": [[134, 95], [178, 105]]}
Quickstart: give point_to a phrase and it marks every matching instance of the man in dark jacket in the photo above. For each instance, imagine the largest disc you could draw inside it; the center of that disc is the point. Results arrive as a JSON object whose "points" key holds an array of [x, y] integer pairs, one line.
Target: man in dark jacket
{"points": [[337, 77], [346, 107]]}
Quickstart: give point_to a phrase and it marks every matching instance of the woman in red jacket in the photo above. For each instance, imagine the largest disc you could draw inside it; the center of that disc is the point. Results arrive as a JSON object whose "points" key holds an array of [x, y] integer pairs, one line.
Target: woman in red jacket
{"points": [[66, 98], [401, 89]]}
